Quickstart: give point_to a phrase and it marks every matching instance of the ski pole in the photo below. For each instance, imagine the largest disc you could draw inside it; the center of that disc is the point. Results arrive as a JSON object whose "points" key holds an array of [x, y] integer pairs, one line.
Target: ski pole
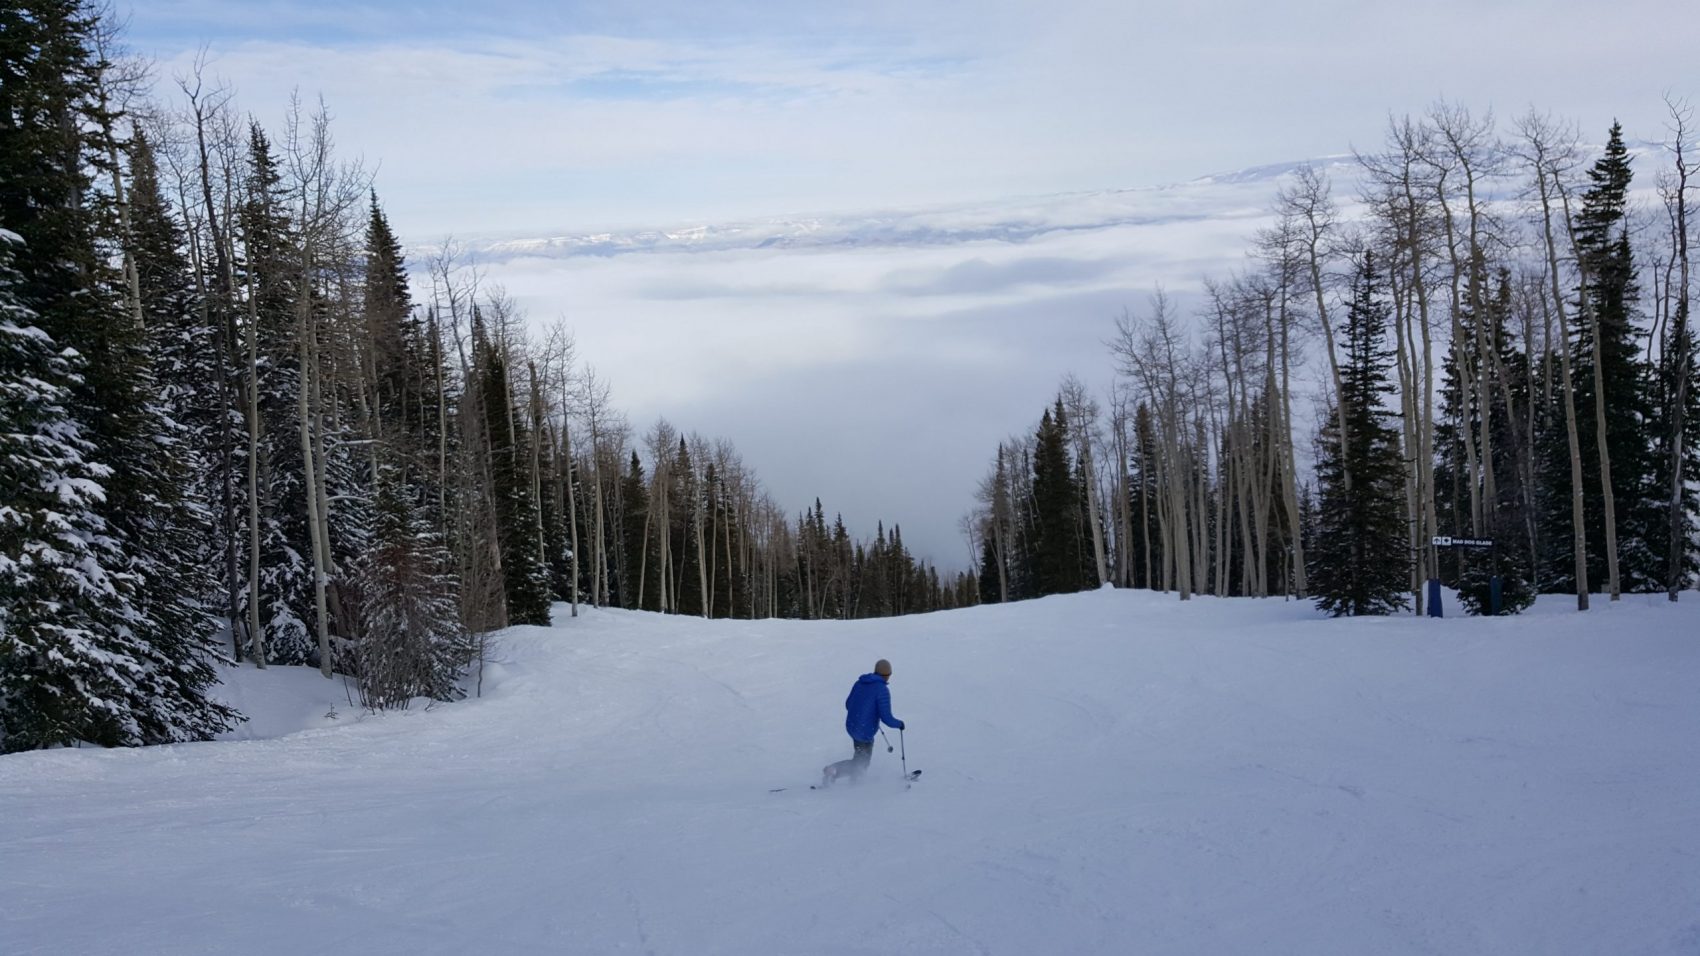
{"points": [[905, 752], [888, 747]]}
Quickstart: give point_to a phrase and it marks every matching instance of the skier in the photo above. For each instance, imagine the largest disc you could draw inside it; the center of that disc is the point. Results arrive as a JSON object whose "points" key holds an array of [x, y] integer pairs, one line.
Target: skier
{"points": [[868, 705]]}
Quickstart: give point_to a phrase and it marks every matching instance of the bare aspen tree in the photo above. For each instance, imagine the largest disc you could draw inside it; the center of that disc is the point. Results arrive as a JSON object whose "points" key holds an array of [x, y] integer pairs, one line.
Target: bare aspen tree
{"points": [[661, 440], [208, 115], [1083, 414], [559, 352], [1679, 338], [699, 456], [1461, 151], [597, 412], [1309, 204], [1608, 498], [1549, 152], [1292, 250], [1121, 448], [1154, 359], [1404, 191], [325, 192]]}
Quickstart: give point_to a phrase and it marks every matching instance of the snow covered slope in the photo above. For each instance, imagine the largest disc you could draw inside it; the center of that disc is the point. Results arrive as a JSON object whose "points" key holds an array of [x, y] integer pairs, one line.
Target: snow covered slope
{"points": [[1114, 772]]}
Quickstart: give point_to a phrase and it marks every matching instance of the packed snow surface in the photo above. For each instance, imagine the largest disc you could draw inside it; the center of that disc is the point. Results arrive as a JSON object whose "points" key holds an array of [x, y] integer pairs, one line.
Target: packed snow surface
{"points": [[1113, 772]]}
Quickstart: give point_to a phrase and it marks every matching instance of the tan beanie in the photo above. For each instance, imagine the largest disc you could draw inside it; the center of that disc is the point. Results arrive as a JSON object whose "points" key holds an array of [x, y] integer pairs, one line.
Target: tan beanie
{"points": [[883, 668]]}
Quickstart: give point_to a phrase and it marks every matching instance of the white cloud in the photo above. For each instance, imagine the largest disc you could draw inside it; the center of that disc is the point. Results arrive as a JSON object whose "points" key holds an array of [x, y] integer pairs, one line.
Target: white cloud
{"points": [[832, 356]]}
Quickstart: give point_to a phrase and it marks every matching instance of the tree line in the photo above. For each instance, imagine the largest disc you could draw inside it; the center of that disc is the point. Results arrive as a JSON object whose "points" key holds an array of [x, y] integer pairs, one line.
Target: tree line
{"points": [[235, 427], [1504, 350]]}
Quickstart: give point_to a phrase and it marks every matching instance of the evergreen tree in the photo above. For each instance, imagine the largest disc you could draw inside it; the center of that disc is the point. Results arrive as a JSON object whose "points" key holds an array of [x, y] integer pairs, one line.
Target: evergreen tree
{"points": [[1360, 563], [715, 511], [641, 570], [392, 338], [1504, 518], [682, 505], [1609, 295], [557, 548], [1056, 553], [186, 363], [102, 633], [1681, 354], [268, 273], [525, 580], [411, 642], [64, 676], [1143, 489], [988, 569]]}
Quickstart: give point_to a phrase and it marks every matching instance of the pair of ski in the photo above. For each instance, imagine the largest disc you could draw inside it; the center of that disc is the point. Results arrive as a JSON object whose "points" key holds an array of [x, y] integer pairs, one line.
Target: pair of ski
{"points": [[908, 779]]}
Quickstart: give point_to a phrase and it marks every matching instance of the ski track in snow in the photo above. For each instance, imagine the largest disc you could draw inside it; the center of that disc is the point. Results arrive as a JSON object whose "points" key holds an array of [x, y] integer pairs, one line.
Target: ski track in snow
{"points": [[1113, 772]]}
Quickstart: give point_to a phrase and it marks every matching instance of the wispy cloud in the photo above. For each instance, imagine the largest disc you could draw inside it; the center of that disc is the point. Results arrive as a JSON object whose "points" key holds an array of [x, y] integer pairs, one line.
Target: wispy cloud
{"points": [[514, 115]]}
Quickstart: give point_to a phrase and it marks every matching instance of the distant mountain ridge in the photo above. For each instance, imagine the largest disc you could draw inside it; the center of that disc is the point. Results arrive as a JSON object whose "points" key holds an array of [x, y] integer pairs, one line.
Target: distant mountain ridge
{"points": [[1238, 194]]}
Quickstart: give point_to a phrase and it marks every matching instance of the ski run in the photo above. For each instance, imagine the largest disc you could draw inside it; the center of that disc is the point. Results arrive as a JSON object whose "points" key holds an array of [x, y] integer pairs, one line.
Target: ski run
{"points": [[1109, 772]]}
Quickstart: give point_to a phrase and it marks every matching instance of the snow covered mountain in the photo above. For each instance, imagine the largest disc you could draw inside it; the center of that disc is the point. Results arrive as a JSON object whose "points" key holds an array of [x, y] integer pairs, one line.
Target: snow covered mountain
{"points": [[1112, 772]]}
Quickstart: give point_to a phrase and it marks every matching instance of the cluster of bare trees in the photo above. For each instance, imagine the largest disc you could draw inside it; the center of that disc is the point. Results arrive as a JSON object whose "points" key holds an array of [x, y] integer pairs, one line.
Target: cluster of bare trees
{"points": [[389, 479], [1541, 357], [665, 521]]}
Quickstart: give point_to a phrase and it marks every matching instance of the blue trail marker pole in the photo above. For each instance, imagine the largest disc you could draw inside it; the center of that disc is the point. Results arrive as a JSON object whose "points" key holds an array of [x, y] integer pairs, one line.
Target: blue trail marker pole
{"points": [[1434, 609]]}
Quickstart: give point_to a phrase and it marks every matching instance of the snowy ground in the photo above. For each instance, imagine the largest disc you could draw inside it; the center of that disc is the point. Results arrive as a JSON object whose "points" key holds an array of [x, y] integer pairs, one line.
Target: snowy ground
{"points": [[1113, 772]]}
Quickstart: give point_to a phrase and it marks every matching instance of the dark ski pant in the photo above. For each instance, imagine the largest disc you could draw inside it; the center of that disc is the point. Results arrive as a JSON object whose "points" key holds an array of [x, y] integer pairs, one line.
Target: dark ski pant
{"points": [[862, 752]]}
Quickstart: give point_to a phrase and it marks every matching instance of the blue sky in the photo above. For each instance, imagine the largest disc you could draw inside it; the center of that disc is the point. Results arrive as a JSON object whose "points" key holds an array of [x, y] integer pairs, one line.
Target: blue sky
{"points": [[543, 116], [510, 119]]}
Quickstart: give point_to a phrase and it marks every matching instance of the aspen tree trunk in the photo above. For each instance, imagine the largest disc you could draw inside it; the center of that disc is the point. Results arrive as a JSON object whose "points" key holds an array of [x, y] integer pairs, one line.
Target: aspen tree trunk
{"points": [[1289, 462], [1425, 430], [1179, 520], [731, 576], [1198, 476], [702, 556], [1405, 353], [322, 484], [1311, 204], [1092, 510], [537, 461], [663, 531], [601, 562], [365, 389], [643, 559], [1678, 540], [310, 473], [1273, 464], [572, 507], [1468, 407], [1464, 137], [1001, 536], [1145, 520], [1165, 515], [1229, 474], [226, 345], [1486, 357], [1178, 527], [1536, 134], [1124, 523], [712, 571], [1608, 497]]}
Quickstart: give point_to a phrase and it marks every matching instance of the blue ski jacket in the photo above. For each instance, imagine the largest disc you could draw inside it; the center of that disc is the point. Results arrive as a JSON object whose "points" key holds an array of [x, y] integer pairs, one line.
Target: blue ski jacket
{"points": [[869, 703]]}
